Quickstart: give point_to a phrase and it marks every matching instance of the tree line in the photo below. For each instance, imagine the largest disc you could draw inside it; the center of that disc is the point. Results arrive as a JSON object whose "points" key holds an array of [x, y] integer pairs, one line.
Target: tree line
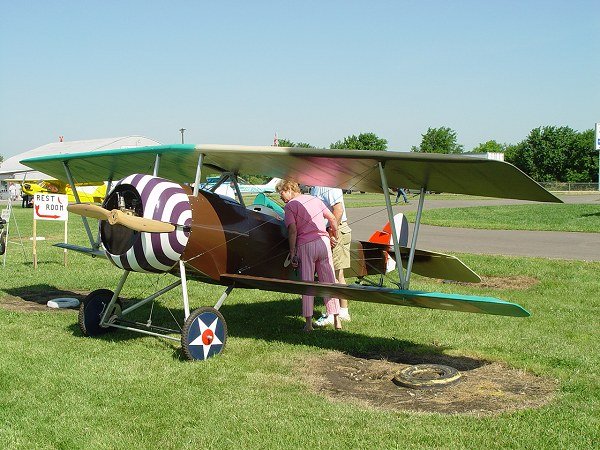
{"points": [[548, 153]]}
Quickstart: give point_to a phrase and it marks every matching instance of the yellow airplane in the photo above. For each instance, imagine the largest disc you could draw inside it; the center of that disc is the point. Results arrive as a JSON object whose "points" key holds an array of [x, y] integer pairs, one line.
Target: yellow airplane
{"points": [[88, 192]]}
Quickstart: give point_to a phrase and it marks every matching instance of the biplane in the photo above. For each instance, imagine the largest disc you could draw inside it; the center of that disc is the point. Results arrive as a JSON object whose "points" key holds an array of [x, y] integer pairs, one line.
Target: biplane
{"points": [[156, 219]]}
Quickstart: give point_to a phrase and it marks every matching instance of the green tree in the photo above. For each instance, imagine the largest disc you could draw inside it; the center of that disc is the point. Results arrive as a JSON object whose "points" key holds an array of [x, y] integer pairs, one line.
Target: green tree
{"points": [[490, 147], [1, 158], [583, 159], [283, 142], [364, 141], [556, 154], [287, 143], [438, 140], [304, 145]]}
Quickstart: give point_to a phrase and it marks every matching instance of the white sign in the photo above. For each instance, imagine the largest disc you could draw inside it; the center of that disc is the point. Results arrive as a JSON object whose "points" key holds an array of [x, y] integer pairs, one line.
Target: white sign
{"points": [[50, 207], [598, 136]]}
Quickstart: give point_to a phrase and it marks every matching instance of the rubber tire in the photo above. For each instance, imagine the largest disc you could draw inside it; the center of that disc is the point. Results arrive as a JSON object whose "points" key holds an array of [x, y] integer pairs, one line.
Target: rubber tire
{"points": [[91, 310], [409, 376], [188, 327]]}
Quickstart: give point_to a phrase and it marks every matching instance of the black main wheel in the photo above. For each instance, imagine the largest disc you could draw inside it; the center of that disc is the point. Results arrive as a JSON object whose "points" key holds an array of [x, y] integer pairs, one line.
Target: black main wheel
{"points": [[92, 309], [204, 334]]}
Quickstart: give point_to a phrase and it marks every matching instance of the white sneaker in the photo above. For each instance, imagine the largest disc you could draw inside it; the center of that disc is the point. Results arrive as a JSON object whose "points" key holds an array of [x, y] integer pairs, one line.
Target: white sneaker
{"points": [[324, 320]]}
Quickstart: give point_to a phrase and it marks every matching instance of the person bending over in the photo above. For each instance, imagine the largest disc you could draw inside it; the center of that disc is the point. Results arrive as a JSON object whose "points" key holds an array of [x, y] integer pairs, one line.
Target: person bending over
{"points": [[310, 244]]}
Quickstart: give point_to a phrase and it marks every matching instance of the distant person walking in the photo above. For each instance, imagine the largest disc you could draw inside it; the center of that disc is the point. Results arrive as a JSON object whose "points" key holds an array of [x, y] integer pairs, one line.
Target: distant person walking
{"points": [[400, 192], [310, 244], [12, 192]]}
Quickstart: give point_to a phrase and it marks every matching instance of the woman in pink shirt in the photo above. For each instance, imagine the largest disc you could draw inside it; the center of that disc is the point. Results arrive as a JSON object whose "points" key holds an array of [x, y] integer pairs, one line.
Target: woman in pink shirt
{"points": [[310, 244]]}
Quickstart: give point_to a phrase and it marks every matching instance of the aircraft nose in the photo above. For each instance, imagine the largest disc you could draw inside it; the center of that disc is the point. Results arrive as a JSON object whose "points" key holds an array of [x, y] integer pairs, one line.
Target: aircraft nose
{"points": [[151, 198]]}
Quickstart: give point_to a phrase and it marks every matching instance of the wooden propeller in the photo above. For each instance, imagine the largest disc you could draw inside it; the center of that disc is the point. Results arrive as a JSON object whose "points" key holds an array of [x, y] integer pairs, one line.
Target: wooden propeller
{"points": [[89, 210], [117, 217]]}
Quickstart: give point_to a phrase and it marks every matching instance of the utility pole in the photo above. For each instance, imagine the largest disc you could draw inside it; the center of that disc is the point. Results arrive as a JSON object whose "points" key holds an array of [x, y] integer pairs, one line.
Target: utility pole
{"points": [[182, 130]]}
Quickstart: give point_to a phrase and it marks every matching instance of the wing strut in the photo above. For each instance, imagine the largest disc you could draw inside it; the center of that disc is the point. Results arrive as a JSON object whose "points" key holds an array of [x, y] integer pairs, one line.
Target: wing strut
{"points": [[388, 206], [415, 235], [106, 192], [198, 175], [76, 195], [156, 165], [229, 177], [236, 185]]}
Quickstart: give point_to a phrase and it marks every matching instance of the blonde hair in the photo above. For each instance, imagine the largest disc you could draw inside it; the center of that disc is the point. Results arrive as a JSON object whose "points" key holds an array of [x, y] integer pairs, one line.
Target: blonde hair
{"points": [[287, 185]]}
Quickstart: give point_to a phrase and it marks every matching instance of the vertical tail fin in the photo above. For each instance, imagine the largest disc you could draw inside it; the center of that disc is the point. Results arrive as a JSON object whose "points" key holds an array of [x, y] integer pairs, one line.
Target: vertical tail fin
{"points": [[385, 237]]}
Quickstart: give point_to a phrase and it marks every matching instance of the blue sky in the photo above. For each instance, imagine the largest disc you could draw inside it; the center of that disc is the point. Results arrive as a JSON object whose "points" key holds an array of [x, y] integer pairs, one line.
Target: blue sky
{"points": [[235, 72]]}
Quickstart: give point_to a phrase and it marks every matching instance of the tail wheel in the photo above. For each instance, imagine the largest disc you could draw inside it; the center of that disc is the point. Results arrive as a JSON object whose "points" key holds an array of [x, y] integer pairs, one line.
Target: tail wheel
{"points": [[204, 334], [92, 309]]}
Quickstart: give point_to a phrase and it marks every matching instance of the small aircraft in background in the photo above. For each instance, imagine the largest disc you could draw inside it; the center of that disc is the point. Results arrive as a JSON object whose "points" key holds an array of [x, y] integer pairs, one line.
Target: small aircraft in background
{"points": [[89, 193], [244, 188], [260, 188], [156, 223]]}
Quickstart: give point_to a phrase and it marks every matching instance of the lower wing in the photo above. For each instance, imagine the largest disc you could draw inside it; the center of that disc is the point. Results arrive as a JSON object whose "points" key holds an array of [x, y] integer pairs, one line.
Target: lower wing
{"points": [[419, 299]]}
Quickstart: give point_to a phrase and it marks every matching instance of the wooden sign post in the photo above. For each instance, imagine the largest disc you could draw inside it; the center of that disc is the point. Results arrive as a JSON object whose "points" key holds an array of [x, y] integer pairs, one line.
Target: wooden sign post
{"points": [[49, 207]]}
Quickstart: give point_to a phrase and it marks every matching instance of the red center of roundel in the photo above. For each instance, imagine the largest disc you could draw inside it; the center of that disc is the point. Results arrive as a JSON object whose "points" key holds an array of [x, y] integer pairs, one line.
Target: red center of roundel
{"points": [[207, 337]]}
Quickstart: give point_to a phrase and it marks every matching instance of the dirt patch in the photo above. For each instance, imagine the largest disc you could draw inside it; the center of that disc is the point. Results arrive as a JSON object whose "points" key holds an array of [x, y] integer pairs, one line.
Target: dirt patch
{"points": [[36, 301], [512, 282], [485, 388]]}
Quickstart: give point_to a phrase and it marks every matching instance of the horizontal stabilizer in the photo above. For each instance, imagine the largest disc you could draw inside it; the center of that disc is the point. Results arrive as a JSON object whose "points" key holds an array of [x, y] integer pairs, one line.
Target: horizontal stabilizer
{"points": [[85, 250], [418, 299], [439, 265], [369, 258]]}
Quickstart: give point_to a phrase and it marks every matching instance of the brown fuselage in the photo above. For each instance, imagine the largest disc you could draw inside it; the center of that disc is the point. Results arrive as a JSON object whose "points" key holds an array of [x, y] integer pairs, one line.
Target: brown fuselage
{"points": [[226, 237]]}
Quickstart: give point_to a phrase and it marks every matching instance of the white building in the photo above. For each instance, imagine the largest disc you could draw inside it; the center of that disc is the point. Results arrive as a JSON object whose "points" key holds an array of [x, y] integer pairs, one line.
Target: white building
{"points": [[11, 168]]}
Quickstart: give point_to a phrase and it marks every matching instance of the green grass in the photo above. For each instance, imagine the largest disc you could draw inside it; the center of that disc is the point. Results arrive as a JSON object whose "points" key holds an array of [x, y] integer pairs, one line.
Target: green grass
{"points": [[125, 390], [550, 217]]}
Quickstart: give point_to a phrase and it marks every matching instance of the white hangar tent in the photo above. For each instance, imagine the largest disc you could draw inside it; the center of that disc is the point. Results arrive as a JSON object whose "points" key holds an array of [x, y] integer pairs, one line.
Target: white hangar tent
{"points": [[12, 169]]}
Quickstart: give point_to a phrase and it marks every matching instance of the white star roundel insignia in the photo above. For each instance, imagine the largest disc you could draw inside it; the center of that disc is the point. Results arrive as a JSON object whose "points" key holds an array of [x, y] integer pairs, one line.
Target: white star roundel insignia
{"points": [[207, 337]]}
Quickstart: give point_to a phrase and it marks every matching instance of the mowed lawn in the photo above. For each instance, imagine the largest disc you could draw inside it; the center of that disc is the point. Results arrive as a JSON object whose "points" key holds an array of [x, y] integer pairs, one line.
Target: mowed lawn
{"points": [[124, 390], [536, 217]]}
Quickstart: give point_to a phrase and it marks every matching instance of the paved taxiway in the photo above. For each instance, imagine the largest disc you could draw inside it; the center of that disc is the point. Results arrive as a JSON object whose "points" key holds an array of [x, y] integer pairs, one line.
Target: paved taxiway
{"points": [[547, 244]]}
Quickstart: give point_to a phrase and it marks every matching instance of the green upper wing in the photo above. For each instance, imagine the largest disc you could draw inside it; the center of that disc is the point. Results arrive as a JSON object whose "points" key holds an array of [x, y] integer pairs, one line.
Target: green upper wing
{"points": [[347, 169]]}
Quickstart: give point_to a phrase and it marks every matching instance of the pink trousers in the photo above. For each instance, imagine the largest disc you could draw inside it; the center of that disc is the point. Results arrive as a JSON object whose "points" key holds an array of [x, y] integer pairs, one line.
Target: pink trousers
{"points": [[316, 255]]}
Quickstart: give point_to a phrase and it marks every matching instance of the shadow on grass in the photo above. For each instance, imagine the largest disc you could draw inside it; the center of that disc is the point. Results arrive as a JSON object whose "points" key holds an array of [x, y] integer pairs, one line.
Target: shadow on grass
{"points": [[591, 215], [270, 321], [41, 293]]}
